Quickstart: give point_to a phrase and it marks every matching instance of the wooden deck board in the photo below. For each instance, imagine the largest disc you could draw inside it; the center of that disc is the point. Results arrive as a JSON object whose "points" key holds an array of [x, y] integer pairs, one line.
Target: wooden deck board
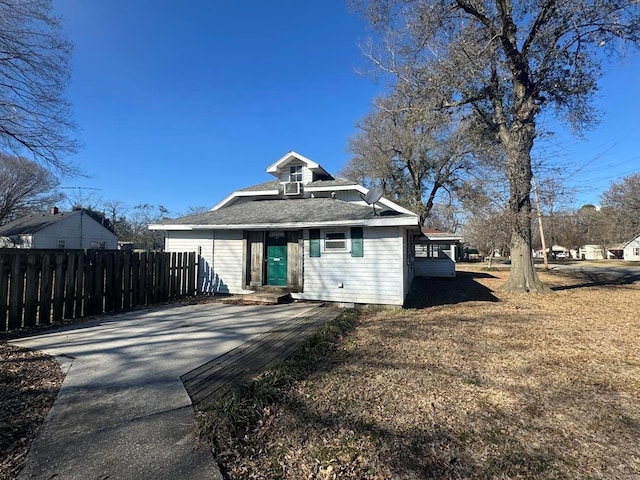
{"points": [[212, 379]]}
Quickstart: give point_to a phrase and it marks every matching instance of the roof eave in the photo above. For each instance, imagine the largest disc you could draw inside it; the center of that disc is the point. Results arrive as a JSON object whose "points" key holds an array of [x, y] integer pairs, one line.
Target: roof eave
{"points": [[411, 221]]}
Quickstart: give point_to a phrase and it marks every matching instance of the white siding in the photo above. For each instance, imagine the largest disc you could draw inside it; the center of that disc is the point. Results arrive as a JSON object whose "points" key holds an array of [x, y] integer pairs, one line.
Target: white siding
{"points": [[632, 250], [591, 252], [378, 277], [307, 175], [222, 257], [78, 230], [228, 261], [434, 267], [200, 242]]}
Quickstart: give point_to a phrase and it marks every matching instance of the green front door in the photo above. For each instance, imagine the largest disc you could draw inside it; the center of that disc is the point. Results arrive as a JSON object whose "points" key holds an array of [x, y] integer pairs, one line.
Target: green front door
{"points": [[277, 258]]}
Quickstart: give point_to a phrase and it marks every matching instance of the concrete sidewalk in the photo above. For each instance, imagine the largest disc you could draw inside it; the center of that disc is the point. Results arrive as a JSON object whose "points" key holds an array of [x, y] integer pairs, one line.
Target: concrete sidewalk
{"points": [[122, 411]]}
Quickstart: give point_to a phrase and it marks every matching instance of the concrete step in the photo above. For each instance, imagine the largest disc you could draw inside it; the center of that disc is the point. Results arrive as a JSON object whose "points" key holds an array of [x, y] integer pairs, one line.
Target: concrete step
{"points": [[261, 297]]}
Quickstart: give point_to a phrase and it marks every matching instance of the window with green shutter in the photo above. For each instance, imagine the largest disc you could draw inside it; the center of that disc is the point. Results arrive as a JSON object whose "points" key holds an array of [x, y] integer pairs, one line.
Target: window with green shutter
{"points": [[357, 248], [314, 242]]}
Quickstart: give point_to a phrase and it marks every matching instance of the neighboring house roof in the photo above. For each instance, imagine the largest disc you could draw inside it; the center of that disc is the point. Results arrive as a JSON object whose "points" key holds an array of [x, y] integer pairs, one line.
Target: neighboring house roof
{"points": [[435, 235], [629, 242], [33, 223], [305, 212]]}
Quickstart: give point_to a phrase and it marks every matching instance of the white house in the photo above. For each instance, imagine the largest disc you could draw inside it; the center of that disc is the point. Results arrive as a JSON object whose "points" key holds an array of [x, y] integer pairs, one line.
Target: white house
{"points": [[591, 252], [631, 249], [71, 230], [320, 237]]}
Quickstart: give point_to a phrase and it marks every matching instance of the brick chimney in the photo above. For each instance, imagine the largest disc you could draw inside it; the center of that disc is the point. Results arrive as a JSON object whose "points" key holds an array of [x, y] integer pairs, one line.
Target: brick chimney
{"points": [[53, 210]]}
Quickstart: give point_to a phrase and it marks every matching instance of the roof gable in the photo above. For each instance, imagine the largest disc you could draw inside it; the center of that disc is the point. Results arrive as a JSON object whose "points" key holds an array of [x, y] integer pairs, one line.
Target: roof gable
{"points": [[276, 167]]}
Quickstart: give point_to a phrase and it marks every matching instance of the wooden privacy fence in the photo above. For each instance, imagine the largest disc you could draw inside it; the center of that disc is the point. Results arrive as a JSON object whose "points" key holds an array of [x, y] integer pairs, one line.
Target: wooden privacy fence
{"points": [[40, 287]]}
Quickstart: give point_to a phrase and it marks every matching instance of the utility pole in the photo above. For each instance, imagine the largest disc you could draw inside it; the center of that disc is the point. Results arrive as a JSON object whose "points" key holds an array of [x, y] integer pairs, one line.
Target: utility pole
{"points": [[539, 215]]}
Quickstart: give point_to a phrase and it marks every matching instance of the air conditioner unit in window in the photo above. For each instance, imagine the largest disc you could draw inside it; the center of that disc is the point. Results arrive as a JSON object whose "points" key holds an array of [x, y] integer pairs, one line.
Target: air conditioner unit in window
{"points": [[292, 188]]}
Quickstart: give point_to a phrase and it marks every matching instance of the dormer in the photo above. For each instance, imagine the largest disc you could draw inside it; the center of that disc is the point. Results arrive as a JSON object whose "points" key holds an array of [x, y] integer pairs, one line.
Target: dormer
{"points": [[294, 168]]}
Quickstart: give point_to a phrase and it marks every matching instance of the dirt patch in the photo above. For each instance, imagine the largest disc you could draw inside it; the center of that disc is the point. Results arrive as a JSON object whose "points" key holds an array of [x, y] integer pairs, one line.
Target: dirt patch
{"points": [[29, 383], [493, 385]]}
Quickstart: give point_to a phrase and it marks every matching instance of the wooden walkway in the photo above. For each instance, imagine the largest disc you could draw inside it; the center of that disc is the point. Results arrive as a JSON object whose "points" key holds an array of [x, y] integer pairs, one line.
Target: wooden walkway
{"points": [[213, 379]]}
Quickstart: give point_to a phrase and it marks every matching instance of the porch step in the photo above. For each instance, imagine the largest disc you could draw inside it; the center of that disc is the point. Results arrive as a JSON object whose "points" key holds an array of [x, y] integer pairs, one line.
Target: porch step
{"points": [[262, 297], [269, 298]]}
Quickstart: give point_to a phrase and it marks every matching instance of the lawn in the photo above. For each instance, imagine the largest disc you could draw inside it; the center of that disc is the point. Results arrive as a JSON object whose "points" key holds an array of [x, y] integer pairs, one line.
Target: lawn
{"points": [[476, 383]]}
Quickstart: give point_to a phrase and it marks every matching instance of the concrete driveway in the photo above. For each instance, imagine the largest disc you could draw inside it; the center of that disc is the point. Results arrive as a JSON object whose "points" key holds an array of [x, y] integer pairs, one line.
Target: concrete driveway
{"points": [[122, 411]]}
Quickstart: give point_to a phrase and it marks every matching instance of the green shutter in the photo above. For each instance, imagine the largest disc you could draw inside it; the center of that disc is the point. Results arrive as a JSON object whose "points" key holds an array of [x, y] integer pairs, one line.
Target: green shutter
{"points": [[357, 249], [314, 242]]}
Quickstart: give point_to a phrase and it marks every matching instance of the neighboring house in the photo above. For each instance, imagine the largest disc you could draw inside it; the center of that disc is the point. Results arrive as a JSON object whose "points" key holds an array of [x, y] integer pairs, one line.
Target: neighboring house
{"points": [[436, 253], [591, 252], [631, 249], [306, 231], [71, 230]]}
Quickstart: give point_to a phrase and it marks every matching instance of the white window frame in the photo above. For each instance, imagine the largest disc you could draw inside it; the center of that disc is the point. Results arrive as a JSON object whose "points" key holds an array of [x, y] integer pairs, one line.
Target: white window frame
{"points": [[636, 251], [346, 240], [295, 173]]}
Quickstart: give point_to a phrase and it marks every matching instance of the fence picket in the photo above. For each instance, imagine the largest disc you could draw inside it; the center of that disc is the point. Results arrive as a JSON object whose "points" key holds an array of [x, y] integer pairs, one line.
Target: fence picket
{"points": [[46, 288], [32, 280], [58, 287], [70, 286], [16, 285]]}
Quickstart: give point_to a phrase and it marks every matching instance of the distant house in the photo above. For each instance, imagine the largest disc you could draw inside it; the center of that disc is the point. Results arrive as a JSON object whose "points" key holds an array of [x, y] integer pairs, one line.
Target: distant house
{"points": [[436, 253], [57, 230], [631, 249], [318, 236], [591, 252]]}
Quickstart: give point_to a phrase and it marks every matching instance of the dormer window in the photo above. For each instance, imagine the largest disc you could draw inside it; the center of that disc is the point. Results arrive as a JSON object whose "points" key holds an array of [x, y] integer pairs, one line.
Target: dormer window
{"points": [[295, 173]]}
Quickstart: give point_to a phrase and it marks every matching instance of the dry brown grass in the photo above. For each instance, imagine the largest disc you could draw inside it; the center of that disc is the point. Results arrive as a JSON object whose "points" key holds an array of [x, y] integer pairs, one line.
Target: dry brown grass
{"points": [[481, 384]]}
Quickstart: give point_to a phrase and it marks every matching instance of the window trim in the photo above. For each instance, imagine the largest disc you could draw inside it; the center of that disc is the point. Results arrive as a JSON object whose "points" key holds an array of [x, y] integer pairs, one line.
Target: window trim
{"points": [[295, 173], [347, 244]]}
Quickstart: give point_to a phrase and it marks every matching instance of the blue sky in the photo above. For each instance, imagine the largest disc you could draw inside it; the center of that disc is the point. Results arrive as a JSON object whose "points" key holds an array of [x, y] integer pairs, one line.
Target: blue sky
{"points": [[180, 103]]}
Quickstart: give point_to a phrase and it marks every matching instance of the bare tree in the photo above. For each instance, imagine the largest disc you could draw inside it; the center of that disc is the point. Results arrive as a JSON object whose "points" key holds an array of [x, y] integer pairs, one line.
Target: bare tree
{"points": [[143, 215], [622, 202], [412, 150], [502, 63], [34, 72], [25, 187]]}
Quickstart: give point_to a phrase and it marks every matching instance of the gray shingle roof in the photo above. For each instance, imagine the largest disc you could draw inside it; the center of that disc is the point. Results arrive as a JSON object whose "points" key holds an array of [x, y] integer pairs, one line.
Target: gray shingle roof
{"points": [[301, 211], [271, 185], [33, 223], [334, 182]]}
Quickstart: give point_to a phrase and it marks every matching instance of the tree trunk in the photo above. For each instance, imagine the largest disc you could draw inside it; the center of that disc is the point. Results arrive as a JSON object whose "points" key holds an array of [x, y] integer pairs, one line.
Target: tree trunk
{"points": [[523, 276]]}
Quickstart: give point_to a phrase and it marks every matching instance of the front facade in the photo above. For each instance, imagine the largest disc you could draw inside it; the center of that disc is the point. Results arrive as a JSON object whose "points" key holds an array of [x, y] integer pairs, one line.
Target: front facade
{"points": [[319, 236], [57, 230]]}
